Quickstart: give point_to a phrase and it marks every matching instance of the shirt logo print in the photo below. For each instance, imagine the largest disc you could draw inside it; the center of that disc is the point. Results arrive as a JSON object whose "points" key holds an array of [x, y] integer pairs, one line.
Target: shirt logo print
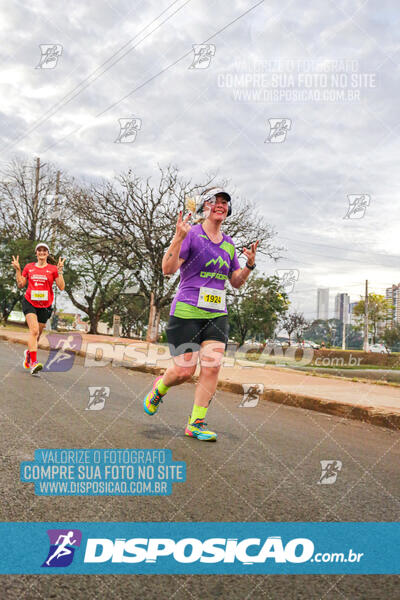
{"points": [[218, 260]]}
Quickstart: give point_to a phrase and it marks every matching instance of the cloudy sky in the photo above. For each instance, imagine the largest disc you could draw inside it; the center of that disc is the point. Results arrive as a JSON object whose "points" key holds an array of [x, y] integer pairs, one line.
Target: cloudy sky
{"points": [[296, 104]]}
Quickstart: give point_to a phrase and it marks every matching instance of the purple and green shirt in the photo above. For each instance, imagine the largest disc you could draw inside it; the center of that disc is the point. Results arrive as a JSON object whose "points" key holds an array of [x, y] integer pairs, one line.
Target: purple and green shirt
{"points": [[207, 264]]}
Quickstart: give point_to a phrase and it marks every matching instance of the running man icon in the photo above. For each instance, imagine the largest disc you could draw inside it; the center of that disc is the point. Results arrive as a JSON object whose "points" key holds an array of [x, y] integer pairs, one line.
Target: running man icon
{"points": [[62, 549], [63, 544], [62, 351], [330, 470]]}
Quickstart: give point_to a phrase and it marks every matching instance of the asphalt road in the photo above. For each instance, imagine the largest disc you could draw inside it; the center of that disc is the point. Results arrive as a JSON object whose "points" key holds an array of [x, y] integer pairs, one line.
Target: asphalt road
{"points": [[264, 467]]}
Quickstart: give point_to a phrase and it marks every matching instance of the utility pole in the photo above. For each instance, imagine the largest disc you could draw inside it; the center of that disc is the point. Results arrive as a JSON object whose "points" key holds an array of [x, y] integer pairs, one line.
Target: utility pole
{"points": [[53, 238], [116, 325], [366, 317], [35, 200], [344, 336], [53, 241]]}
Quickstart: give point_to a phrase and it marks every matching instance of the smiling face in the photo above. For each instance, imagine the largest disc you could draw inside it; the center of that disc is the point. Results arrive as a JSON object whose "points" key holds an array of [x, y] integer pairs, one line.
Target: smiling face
{"points": [[217, 211], [42, 253]]}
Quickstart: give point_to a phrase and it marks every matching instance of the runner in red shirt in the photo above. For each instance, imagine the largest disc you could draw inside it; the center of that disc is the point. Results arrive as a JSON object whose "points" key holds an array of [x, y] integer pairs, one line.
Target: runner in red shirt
{"points": [[36, 304]]}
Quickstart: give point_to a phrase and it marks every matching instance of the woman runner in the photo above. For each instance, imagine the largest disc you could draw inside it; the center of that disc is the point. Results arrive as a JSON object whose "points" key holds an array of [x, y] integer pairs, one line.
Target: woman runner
{"points": [[198, 324], [36, 304]]}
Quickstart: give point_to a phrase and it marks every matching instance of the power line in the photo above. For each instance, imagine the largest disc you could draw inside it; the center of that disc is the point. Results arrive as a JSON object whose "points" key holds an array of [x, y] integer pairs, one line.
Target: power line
{"points": [[178, 60], [157, 74], [65, 100], [346, 286]]}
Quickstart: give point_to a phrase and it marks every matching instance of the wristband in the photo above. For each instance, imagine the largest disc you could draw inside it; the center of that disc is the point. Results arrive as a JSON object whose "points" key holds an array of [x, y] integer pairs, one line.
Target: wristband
{"points": [[251, 267]]}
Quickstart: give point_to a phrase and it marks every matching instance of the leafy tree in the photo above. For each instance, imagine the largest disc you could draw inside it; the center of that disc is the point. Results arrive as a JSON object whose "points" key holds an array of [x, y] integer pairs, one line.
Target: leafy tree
{"points": [[391, 337], [354, 339], [316, 331], [331, 332], [134, 312], [378, 309], [63, 318], [10, 295], [255, 308]]}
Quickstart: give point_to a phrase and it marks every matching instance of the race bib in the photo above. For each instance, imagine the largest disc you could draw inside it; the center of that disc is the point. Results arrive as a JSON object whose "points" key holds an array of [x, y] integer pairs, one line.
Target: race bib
{"points": [[39, 295], [210, 298]]}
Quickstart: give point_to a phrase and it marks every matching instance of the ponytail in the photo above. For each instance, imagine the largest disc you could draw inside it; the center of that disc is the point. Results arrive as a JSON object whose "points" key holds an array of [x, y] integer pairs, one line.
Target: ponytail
{"points": [[51, 260]]}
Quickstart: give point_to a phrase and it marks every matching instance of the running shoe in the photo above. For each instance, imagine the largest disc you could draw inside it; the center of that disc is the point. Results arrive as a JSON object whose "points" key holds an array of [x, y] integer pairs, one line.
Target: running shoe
{"points": [[198, 429], [27, 360], [153, 399], [36, 367]]}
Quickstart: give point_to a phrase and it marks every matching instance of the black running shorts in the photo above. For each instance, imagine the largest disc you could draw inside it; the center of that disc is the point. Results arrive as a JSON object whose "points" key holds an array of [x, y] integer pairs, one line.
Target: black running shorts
{"points": [[186, 335], [43, 314]]}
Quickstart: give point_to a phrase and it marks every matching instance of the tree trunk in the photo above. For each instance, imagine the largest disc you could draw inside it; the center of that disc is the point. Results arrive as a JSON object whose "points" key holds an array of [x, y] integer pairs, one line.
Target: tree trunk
{"points": [[7, 310], [154, 321], [243, 334], [94, 321]]}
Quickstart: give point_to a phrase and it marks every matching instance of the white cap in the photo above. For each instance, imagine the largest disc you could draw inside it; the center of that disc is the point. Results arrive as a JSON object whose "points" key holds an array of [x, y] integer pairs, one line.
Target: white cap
{"points": [[42, 245], [211, 193]]}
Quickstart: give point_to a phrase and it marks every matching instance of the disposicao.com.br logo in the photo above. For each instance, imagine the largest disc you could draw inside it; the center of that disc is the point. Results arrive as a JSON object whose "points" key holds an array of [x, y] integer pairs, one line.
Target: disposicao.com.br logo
{"points": [[63, 543], [247, 551]]}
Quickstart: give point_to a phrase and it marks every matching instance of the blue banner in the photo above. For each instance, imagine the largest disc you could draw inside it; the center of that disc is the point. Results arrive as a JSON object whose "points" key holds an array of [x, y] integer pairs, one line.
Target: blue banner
{"points": [[200, 548]]}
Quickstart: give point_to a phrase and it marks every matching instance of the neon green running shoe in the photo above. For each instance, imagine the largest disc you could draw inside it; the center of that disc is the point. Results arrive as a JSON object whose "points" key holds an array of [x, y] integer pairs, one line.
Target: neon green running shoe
{"points": [[198, 429], [36, 367], [153, 399]]}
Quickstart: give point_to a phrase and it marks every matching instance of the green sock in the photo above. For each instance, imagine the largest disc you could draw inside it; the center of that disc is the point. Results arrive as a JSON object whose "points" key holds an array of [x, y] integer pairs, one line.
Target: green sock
{"points": [[198, 412], [162, 388]]}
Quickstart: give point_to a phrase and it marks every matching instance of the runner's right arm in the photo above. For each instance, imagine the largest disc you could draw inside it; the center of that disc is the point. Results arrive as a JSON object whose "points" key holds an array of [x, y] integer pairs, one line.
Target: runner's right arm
{"points": [[21, 280], [171, 261]]}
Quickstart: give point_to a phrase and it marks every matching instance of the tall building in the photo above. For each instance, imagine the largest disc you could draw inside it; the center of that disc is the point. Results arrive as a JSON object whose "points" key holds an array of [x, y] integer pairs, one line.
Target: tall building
{"points": [[393, 295], [323, 303], [342, 302], [352, 319]]}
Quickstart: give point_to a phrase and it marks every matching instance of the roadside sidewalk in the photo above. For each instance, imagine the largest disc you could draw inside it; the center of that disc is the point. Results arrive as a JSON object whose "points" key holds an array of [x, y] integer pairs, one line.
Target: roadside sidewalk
{"points": [[376, 404]]}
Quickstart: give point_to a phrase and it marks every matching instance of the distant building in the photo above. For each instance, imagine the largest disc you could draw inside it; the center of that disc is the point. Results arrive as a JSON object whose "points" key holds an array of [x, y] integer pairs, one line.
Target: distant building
{"points": [[342, 302], [323, 303], [352, 319], [393, 295]]}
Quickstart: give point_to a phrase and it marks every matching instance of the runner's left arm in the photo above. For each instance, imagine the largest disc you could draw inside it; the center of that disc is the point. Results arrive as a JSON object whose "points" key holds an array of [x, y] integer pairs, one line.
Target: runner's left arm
{"points": [[239, 276], [60, 279]]}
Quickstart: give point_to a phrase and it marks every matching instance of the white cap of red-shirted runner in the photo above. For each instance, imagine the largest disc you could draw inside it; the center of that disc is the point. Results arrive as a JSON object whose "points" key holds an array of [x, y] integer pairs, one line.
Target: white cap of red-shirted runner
{"points": [[42, 245]]}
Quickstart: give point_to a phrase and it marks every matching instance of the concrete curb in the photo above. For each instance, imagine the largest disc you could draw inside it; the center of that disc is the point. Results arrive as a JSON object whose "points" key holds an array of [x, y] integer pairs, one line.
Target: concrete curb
{"points": [[368, 414]]}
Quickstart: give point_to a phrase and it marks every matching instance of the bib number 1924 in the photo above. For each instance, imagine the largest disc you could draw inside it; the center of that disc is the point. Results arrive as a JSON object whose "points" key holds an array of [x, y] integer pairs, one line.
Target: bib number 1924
{"points": [[211, 298]]}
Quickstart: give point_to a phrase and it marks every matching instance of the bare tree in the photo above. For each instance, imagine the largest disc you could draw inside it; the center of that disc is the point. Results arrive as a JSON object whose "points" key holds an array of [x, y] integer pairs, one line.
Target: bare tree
{"points": [[31, 196], [93, 284], [294, 323], [135, 221]]}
